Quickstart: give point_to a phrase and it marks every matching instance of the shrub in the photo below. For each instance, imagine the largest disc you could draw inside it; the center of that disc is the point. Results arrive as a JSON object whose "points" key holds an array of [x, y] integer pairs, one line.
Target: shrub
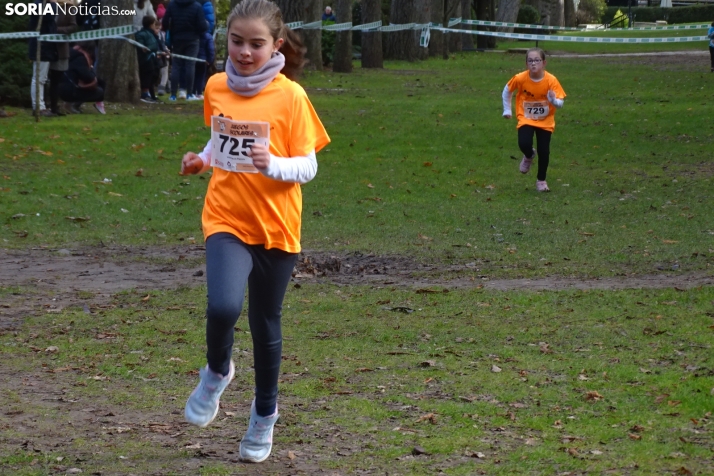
{"points": [[528, 14], [590, 11], [620, 20], [16, 73]]}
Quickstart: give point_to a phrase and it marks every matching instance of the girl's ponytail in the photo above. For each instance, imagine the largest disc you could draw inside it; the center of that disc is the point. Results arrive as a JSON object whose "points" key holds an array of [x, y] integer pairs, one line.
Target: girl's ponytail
{"points": [[294, 52]]}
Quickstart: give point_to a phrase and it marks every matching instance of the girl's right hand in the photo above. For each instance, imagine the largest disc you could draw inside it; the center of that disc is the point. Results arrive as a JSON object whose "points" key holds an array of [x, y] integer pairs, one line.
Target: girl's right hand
{"points": [[191, 164], [507, 116]]}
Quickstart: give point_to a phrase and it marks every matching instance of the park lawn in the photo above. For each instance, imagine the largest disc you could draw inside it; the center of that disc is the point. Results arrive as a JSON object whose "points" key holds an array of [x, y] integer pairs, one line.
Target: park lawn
{"points": [[421, 164], [381, 379]]}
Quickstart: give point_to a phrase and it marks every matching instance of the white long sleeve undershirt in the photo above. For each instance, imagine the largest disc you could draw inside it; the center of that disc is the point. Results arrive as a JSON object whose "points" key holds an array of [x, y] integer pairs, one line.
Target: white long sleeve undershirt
{"points": [[506, 95], [284, 169]]}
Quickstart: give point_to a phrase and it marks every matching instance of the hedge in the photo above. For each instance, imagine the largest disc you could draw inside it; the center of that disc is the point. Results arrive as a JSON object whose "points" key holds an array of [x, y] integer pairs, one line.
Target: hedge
{"points": [[694, 14]]}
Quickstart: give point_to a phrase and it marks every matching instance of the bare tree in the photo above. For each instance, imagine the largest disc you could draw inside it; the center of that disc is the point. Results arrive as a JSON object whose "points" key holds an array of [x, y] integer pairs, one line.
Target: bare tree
{"points": [[118, 65], [436, 43], [342, 61], [467, 40], [372, 40], [401, 45], [453, 10], [507, 12]]}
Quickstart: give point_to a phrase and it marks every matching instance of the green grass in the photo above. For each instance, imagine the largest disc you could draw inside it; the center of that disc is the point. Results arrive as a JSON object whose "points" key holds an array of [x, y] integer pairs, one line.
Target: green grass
{"points": [[419, 166], [422, 164], [588, 380]]}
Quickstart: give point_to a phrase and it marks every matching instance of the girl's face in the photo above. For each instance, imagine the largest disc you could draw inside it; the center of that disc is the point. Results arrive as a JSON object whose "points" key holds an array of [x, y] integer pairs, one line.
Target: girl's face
{"points": [[250, 45], [535, 64]]}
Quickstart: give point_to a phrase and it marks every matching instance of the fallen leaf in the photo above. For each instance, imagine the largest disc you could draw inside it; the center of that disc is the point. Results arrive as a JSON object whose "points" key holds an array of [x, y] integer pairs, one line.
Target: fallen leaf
{"points": [[495, 368], [669, 242], [634, 436], [78, 219], [291, 455], [594, 396], [430, 417]]}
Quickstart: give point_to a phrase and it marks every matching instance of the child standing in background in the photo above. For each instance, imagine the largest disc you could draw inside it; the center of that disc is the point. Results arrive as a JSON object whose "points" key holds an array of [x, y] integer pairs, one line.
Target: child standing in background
{"points": [[539, 95], [264, 136], [206, 52]]}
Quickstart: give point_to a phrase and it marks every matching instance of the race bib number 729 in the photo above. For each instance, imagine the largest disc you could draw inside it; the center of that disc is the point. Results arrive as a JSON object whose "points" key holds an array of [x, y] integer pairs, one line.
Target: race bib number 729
{"points": [[536, 110], [231, 140]]}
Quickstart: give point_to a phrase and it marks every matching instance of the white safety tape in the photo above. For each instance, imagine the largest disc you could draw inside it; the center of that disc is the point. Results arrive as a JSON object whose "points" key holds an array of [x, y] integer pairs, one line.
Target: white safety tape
{"points": [[517, 25], [577, 39], [79, 36], [338, 27], [368, 26]]}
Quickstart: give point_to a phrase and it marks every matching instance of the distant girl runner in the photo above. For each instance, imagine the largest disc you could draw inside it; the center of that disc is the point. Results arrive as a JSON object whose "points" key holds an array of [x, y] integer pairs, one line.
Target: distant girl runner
{"points": [[264, 136], [539, 95]]}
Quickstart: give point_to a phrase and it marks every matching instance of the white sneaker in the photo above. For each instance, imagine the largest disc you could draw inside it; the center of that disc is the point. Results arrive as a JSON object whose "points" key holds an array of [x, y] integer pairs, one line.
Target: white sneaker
{"points": [[257, 443], [182, 94]]}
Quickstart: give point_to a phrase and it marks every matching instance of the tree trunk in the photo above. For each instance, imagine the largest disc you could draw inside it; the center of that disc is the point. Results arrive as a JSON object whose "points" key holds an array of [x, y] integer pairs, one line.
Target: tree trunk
{"points": [[569, 13], [118, 65], [467, 39], [306, 11], [402, 45], [342, 61], [372, 40], [507, 12], [422, 15], [482, 13], [436, 44], [454, 11]]}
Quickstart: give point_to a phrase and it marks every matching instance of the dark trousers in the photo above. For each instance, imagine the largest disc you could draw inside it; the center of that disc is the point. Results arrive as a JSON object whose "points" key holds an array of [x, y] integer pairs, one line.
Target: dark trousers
{"points": [[230, 266], [56, 78], [147, 76], [70, 93], [200, 78], [525, 143], [183, 71], [711, 56]]}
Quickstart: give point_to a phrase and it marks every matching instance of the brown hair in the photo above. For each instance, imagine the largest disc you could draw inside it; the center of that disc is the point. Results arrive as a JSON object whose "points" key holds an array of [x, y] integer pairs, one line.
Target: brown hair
{"points": [[148, 21], [540, 52], [270, 14]]}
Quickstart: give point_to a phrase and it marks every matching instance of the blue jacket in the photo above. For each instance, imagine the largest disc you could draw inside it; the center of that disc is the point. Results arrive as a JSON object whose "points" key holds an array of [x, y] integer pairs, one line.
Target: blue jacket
{"points": [[207, 48], [209, 14], [710, 34], [184, 20]]}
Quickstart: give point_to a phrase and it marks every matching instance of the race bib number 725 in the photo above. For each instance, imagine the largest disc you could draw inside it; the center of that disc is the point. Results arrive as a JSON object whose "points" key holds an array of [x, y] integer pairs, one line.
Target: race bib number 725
{"points": [[231, 140]]}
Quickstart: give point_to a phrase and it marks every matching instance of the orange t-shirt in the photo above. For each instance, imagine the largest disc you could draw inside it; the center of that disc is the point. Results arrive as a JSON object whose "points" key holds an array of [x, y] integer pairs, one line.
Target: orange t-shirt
{"points": [[254, 208], [532, 106]]}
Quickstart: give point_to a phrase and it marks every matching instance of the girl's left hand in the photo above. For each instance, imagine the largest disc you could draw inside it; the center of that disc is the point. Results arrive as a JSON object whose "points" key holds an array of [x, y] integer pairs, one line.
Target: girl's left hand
{"points": [[260, 155]]}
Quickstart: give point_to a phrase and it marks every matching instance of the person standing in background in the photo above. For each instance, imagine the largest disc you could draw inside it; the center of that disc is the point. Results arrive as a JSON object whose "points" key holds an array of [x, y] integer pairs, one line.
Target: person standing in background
{"points": [[185, 23], [66, 25], [142, 8], [48, 53]]}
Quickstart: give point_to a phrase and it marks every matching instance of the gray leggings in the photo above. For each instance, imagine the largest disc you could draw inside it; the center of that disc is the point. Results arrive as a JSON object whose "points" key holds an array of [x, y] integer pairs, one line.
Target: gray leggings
{"points": [[230, 266]]}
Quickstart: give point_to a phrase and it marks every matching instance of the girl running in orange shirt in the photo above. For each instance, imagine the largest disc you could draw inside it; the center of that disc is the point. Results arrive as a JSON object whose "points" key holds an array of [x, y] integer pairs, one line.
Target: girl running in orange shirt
{"points": [[264, 136], [539, 95]]}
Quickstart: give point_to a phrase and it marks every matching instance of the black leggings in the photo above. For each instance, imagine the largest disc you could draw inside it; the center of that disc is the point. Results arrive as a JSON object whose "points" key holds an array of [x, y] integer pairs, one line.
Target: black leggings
{"points": [[711, 55], [525, 143], [230, 266]]}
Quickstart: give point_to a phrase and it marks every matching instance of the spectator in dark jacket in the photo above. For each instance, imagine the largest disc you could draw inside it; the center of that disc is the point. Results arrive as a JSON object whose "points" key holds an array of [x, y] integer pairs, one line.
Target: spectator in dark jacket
{"points": [[66, 25], [81, 83], [185, 22], [206, 52]]}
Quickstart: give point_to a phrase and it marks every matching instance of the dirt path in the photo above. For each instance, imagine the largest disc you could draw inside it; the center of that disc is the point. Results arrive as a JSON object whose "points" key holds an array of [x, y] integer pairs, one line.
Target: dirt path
{"points": [[52, 279]]}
